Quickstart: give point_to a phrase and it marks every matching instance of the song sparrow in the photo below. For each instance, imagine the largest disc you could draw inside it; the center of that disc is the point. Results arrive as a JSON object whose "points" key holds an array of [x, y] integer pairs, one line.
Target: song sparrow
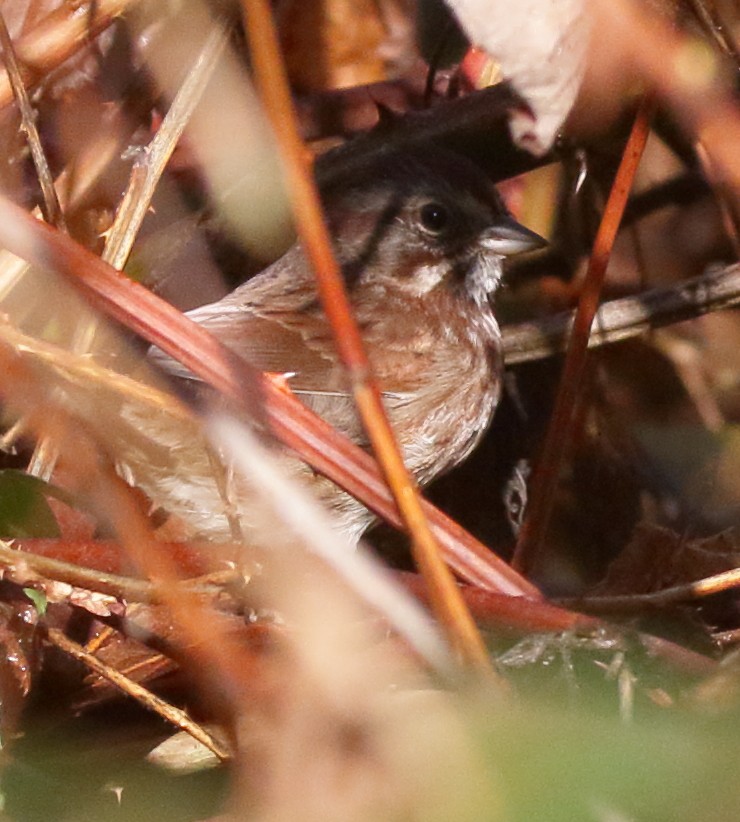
{"points": [[420, 237]]}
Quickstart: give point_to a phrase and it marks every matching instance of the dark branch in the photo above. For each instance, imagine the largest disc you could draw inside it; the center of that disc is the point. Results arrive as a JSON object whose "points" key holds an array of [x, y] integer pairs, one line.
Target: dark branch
{"points": [[628, 317]]}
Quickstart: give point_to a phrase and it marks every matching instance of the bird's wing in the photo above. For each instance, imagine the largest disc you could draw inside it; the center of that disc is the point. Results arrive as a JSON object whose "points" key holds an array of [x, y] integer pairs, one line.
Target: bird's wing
{"points": [[274, 321], [283, 344], [277, 334]]}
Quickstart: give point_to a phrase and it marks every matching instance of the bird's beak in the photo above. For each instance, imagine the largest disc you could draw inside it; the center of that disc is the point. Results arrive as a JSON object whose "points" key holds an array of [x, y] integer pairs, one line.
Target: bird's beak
{"points": [[508, 237]]}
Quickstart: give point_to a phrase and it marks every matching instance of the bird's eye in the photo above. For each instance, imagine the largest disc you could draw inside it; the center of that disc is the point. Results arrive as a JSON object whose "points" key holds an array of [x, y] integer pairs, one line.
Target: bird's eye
{"points": [[434, 217]]}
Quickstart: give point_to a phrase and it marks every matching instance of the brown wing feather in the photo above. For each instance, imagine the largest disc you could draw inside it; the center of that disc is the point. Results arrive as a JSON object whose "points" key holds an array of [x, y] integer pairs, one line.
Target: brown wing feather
{"points": [[271, 321], [271, 345]]}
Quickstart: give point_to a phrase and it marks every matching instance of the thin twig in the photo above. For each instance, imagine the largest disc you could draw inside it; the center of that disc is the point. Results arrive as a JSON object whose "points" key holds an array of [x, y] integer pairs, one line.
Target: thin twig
{"points": [[708, 18], [151, 164], [50, 207], [726, 200], [717, 583], [115, 585], [44, 456], [270, 73], [145, 697], [557, 440], [88, 372], [627, 317], [57, 37]]}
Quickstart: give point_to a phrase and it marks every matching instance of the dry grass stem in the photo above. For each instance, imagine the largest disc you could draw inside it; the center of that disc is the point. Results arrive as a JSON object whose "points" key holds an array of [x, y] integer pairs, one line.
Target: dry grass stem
{"points": [[637, 603], [143, 696], [150, 166], [28, 566], [82, 370], [50, 207]]}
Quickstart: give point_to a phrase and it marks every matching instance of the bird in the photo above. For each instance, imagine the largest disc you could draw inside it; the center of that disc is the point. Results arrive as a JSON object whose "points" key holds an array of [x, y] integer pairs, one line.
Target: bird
{"points": [[421, 236]]}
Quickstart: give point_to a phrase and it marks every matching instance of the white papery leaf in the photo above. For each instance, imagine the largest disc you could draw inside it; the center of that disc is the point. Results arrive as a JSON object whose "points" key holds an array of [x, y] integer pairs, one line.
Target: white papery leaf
{"points": [[541, 46]]}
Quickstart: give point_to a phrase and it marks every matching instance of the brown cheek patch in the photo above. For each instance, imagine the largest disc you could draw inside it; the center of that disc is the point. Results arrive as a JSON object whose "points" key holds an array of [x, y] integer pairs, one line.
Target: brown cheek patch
{"points": [[365, 232]]}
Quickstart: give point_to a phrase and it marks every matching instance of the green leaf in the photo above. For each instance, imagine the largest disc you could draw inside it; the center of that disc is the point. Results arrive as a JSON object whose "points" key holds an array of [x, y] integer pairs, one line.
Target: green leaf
{"points": [[38, 598], [24, 510]]}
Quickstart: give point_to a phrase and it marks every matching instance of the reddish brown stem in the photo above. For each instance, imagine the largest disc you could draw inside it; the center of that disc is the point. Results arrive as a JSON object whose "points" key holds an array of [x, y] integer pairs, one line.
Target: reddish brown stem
{"points": [[557, 440], [528, 616]]}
